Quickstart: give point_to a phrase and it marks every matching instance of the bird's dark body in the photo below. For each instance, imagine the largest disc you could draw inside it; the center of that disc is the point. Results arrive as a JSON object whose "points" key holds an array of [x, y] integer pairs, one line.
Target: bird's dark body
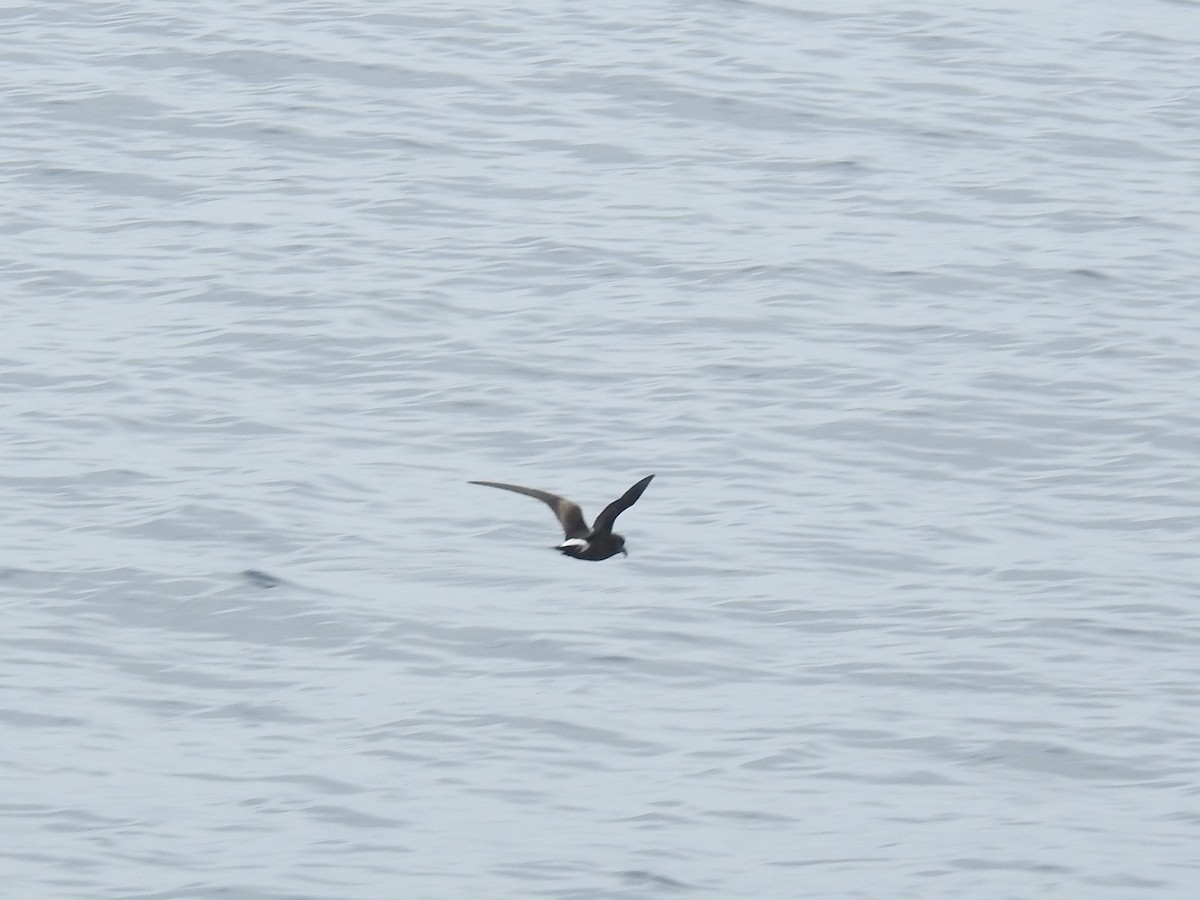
{"points": [[581, 542], [596, 548]]}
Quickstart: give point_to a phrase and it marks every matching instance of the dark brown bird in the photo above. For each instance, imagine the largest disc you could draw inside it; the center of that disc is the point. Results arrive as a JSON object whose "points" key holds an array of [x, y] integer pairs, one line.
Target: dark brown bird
{"points": [[582, 542]]}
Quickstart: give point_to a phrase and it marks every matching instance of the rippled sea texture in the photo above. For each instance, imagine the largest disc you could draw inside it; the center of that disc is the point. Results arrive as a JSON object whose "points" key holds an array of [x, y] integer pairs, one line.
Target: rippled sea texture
{"points": [[899, 303]]}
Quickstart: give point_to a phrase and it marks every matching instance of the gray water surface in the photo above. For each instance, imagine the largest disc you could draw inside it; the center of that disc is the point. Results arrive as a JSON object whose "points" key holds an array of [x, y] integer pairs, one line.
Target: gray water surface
{"points": [[899, 303]]}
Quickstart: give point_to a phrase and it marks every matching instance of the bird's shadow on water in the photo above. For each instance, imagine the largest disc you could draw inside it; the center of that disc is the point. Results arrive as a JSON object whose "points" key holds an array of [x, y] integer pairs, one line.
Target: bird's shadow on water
{"points": [[261, 579]]}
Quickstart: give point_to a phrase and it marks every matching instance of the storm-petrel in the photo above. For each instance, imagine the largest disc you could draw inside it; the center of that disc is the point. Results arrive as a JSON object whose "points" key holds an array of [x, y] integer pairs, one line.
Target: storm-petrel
{"points": [[595, 543]]}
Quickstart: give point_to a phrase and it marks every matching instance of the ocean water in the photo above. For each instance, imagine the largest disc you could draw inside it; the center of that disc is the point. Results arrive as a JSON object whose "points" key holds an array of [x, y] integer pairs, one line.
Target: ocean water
{"points": [[898, 303]]}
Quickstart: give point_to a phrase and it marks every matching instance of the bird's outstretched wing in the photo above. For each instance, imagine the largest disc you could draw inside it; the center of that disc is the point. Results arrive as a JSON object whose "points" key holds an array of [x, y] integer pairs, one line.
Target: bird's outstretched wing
{"points": [[570, 516], [604, 521]]}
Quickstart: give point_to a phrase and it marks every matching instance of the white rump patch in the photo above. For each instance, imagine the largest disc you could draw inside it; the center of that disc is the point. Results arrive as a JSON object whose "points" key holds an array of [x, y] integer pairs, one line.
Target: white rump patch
{"points": [[573, 542]]}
